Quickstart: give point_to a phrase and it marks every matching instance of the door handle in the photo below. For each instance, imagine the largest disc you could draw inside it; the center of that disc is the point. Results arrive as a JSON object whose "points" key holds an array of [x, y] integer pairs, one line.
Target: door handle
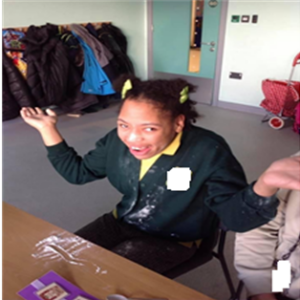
{"points": [[212, 44]]}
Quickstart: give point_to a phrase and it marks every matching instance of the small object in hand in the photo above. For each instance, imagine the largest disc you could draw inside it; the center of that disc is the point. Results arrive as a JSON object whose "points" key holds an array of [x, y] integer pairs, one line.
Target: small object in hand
{"points": [[52, 292], [74, 115]]}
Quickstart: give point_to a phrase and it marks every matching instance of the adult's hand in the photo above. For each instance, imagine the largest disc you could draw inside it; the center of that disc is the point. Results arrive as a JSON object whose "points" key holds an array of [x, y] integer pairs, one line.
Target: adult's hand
{"points": [[283, 173]]}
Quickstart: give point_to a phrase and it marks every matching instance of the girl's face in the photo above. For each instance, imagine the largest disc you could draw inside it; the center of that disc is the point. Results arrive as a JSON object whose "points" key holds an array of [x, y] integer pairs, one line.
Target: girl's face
{"points": [[145, 129]]}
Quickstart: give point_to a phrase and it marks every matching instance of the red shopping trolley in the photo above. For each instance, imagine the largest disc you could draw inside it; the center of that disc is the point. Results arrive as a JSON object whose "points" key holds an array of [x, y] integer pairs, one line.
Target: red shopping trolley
{"points": [[281, 98]]}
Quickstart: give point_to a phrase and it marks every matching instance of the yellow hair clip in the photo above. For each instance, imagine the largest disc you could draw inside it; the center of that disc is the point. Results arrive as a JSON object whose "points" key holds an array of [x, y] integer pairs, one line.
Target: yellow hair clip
{"points": [[126, 87], [184, 95]]}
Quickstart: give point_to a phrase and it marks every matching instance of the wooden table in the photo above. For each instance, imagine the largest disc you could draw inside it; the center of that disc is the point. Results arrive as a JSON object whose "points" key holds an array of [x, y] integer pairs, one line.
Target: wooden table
{"points": [[32, 247]]}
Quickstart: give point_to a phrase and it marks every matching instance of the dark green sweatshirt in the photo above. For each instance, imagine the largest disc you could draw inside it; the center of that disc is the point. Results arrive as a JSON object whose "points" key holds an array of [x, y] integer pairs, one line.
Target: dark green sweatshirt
{"points": [[218, 188]]}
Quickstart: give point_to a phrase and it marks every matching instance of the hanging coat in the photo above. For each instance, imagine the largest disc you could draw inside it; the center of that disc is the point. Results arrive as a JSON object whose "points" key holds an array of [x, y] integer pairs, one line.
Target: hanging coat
{"points": [[95, 80], [51, 76], [104, 56], [15, 92]]}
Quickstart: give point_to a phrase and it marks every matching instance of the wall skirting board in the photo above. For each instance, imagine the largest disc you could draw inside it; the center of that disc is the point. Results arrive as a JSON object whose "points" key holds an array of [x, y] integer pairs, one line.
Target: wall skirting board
{"points": [[241, 108]]}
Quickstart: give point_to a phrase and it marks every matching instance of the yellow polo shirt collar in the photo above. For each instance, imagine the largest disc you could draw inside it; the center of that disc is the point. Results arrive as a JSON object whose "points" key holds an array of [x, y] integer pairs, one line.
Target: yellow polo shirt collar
{"points": [[146, 164]]}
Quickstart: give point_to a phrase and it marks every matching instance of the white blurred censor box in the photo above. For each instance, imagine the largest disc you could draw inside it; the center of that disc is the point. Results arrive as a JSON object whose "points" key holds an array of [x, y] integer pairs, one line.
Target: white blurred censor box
{"points": [[281, 278], [178, 179]]}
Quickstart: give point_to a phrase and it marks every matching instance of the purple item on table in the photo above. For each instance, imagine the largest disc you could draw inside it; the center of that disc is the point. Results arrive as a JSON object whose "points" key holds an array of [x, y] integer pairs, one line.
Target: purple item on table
{"points": [[30, 292]]}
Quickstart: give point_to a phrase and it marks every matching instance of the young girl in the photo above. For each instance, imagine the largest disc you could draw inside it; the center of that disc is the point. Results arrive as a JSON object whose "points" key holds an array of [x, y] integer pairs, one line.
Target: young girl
{"points": [[161, 220]]}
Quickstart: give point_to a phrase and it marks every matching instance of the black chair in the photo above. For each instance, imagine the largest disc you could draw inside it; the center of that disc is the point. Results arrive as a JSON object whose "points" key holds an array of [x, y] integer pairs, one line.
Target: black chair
{"points": [[239, 290], [205, 254]]}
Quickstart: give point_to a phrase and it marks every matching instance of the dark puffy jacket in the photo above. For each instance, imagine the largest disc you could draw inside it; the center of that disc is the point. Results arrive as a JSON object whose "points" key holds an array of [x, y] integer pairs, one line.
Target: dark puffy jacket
{"points": [[113, 38], [51, 76], [15, 92], [117, 45], [47, 65], [117, 34]]}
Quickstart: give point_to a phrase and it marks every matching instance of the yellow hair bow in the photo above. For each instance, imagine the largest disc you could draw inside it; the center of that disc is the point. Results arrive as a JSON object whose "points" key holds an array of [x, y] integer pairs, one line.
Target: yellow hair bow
{"points": [[184, 95], [126, 87]]}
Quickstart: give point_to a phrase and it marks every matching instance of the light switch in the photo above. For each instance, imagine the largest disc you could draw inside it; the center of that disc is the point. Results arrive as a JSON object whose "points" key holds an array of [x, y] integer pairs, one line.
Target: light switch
{"points": [[235, 19], [235, 75], [255, 19], [245, 19]]}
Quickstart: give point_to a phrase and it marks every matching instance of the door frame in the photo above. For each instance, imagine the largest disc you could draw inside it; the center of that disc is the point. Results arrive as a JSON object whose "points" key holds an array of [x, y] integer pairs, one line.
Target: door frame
{"points": [[219, 59]]}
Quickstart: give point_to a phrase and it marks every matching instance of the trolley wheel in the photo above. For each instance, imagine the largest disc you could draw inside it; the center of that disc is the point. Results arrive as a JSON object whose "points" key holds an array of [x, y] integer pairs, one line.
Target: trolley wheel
{"points": [[276, 123]]}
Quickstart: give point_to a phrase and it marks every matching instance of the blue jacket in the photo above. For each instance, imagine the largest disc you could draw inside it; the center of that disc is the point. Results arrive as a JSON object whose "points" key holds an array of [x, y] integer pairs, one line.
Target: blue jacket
{"points": [[95, 79]]}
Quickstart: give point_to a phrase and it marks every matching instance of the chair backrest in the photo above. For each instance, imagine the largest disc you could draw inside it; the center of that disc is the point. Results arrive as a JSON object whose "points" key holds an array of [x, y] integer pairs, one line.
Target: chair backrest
{"points": [[203, 255]]}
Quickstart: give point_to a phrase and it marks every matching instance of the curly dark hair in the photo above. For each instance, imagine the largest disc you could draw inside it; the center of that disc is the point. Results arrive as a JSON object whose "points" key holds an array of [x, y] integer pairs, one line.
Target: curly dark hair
{"points": [[164, 94]]}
